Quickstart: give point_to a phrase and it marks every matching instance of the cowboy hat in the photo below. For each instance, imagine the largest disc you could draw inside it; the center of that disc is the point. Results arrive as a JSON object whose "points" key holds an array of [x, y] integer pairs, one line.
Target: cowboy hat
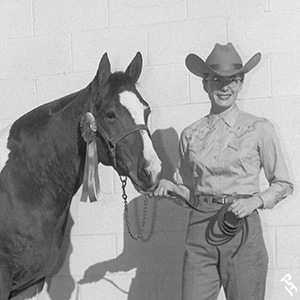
{"points": [[222, 61]]}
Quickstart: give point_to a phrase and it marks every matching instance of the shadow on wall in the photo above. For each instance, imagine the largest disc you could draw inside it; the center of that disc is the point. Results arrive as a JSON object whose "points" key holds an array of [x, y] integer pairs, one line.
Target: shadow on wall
{"points": [[157, 257]]}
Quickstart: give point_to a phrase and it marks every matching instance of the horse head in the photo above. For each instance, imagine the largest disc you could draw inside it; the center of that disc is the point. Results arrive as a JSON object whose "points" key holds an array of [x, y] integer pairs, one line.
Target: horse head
{"points": [[121, 114]]}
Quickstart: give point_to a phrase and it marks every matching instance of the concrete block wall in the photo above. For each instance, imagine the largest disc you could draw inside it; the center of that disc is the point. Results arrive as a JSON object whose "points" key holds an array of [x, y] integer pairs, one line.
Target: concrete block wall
{"points": [[52, 48]]}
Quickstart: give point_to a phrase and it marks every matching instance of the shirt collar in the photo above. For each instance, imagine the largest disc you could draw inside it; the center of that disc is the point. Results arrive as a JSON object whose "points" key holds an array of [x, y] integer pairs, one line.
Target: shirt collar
{"points": [[229, 116]]}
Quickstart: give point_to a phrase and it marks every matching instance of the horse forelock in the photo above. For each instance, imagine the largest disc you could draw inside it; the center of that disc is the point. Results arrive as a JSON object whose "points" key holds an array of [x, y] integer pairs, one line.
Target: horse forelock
{"points": [[119, 82]]}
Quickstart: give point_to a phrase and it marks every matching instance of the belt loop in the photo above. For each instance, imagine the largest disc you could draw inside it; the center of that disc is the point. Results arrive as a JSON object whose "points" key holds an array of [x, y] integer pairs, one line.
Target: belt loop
{"points": [[224, 200]]}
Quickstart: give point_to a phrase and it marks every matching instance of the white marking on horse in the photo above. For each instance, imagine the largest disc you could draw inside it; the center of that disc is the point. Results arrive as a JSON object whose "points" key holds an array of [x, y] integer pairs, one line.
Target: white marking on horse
{"points": [[4, 152], [136, 109]]}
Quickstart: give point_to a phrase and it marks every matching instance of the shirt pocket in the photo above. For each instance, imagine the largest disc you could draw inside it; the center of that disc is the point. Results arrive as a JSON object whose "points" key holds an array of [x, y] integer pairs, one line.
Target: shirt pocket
{"points": [[240, 155], [197, 144], [195, 150], [197, 157]]}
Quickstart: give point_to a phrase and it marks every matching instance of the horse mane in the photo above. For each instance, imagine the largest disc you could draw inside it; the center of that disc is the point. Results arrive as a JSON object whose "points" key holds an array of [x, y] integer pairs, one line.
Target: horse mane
{"points": [[37, 118], [60, 104]]}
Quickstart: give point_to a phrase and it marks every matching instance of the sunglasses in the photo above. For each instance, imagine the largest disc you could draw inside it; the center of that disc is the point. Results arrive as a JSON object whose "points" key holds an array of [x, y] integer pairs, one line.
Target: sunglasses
{"points": [[223, 81]]}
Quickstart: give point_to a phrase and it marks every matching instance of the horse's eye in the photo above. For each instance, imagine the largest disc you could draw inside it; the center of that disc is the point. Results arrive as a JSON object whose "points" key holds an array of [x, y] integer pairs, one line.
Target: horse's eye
{"points": [[110, 115]]}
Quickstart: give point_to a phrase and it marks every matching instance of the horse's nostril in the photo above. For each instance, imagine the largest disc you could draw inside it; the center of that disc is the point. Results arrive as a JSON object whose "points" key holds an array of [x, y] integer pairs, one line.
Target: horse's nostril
{"points": [[144, 174]]}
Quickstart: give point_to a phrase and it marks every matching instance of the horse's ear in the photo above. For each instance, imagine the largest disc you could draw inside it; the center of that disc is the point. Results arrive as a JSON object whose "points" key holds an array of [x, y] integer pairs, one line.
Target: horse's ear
{"points": [[135, 68], [103, 70]]}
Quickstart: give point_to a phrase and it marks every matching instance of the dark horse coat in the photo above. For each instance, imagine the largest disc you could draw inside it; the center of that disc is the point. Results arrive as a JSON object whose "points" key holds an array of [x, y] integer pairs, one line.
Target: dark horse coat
{"points": [[45, 164]]}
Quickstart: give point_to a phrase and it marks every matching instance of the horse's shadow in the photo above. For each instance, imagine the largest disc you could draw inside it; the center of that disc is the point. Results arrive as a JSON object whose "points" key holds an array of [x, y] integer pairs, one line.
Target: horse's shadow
{"points": [[157, 253], [65, 252]]}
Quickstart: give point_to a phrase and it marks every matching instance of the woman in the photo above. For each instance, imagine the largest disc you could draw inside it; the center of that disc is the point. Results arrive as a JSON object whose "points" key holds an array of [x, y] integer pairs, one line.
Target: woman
{"points": [[221, 156]]}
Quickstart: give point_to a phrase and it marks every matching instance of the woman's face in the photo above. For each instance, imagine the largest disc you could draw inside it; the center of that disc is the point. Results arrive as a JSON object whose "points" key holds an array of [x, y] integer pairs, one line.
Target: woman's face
{"points": [[222, 91]]}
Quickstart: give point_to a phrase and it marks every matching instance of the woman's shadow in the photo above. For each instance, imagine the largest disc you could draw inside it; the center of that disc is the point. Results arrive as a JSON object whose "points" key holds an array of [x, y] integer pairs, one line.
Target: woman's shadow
{"points": [[157, 257]]}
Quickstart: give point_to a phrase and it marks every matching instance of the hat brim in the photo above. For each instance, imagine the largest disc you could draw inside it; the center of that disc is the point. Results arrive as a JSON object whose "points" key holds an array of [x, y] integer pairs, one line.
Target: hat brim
{"points": [[198, 67]]}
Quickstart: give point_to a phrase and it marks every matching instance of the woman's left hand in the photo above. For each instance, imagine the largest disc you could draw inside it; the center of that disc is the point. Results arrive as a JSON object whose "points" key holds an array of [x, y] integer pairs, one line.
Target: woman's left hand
{"points": [[164, 187], [245, 207]]}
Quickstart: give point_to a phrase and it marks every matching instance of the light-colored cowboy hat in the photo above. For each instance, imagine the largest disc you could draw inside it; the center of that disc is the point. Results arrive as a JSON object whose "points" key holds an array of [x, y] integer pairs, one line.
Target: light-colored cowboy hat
{"points": [[222, 61]]}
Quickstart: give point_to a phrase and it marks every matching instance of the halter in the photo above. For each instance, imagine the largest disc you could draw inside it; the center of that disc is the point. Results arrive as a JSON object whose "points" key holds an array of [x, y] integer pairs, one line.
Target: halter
{"points": [[112, 141]]}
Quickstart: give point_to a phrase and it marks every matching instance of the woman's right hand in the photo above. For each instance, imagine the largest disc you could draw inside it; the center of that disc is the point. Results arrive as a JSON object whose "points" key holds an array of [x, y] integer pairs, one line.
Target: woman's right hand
{"points": [[164, 187]]}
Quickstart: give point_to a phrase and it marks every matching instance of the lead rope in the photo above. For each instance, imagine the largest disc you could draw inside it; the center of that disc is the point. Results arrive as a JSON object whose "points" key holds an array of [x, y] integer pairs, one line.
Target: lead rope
{"points": [[77, 295], [126, 211]]}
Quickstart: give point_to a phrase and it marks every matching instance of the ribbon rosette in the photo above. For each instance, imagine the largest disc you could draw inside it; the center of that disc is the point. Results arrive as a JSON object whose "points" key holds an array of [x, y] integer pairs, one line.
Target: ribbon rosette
{"points": [[88, 127], [91, 184]]}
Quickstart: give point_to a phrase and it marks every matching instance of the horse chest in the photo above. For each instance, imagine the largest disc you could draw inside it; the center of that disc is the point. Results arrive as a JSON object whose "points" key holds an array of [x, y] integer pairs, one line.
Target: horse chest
{"points": [[34, 253], [55, 243]]}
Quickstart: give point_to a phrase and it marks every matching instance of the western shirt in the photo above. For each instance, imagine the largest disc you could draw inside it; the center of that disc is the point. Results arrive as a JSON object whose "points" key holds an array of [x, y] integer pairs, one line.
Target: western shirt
{"points": [[225, 153]]}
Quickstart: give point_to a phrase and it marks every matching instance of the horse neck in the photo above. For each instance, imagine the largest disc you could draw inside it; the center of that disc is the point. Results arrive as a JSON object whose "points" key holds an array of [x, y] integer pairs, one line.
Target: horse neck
{"points": [[84, 103], [47, 144], [78, 104], [68, 121]]}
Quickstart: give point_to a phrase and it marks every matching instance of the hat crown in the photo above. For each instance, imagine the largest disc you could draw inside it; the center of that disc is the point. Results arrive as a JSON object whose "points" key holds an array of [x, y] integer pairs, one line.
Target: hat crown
{"points": [[224, 57]]}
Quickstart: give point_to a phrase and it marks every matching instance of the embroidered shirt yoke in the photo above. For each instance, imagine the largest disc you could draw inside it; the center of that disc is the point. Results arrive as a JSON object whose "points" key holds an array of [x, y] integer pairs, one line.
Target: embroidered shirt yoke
{"points": [[224, 154]]}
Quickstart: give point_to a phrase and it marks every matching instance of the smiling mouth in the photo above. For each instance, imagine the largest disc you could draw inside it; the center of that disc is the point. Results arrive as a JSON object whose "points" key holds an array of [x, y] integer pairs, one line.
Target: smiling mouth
{"points": [[224, 97]]}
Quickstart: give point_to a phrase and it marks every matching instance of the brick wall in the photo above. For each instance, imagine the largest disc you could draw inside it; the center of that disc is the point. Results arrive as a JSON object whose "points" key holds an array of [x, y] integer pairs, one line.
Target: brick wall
{"points": [[52, 48]]}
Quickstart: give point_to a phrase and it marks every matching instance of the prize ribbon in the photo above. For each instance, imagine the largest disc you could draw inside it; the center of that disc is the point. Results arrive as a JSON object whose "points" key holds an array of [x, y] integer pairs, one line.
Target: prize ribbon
{"points": [[91, 183]]}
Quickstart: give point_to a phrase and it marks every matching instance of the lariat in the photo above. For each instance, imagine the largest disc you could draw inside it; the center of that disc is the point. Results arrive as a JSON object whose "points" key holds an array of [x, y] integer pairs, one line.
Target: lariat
{"points": [[230, 226]]}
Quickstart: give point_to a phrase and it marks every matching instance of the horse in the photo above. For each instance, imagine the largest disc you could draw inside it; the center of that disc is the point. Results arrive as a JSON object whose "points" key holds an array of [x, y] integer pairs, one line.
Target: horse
{"points": [[43, 161]]}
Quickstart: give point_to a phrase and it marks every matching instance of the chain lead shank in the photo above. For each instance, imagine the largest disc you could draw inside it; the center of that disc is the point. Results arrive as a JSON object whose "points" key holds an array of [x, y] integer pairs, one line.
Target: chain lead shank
{"points": [[126, 212]]}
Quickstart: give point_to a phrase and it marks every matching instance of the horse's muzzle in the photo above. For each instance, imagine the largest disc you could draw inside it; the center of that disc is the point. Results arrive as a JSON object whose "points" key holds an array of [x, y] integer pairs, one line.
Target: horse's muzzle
{"points": [[145, 182]]}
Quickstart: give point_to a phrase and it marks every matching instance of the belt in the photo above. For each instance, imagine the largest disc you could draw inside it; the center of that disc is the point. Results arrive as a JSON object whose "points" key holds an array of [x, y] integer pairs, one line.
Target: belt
{"points": [[220, 199]]}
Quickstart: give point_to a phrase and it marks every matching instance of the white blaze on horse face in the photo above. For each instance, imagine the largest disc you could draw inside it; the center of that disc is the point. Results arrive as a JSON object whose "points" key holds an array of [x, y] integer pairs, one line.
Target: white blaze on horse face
{"points": [[136, 109], [4, 152]]}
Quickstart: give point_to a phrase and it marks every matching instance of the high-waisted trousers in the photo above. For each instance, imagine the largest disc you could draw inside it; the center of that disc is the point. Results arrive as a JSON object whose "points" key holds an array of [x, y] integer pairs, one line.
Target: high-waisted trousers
{"points": [[212, 260]]}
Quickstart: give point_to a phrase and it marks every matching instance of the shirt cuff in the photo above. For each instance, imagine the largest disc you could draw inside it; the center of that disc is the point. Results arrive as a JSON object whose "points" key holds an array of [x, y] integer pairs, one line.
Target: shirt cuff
{"points": [[268, 198]]}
